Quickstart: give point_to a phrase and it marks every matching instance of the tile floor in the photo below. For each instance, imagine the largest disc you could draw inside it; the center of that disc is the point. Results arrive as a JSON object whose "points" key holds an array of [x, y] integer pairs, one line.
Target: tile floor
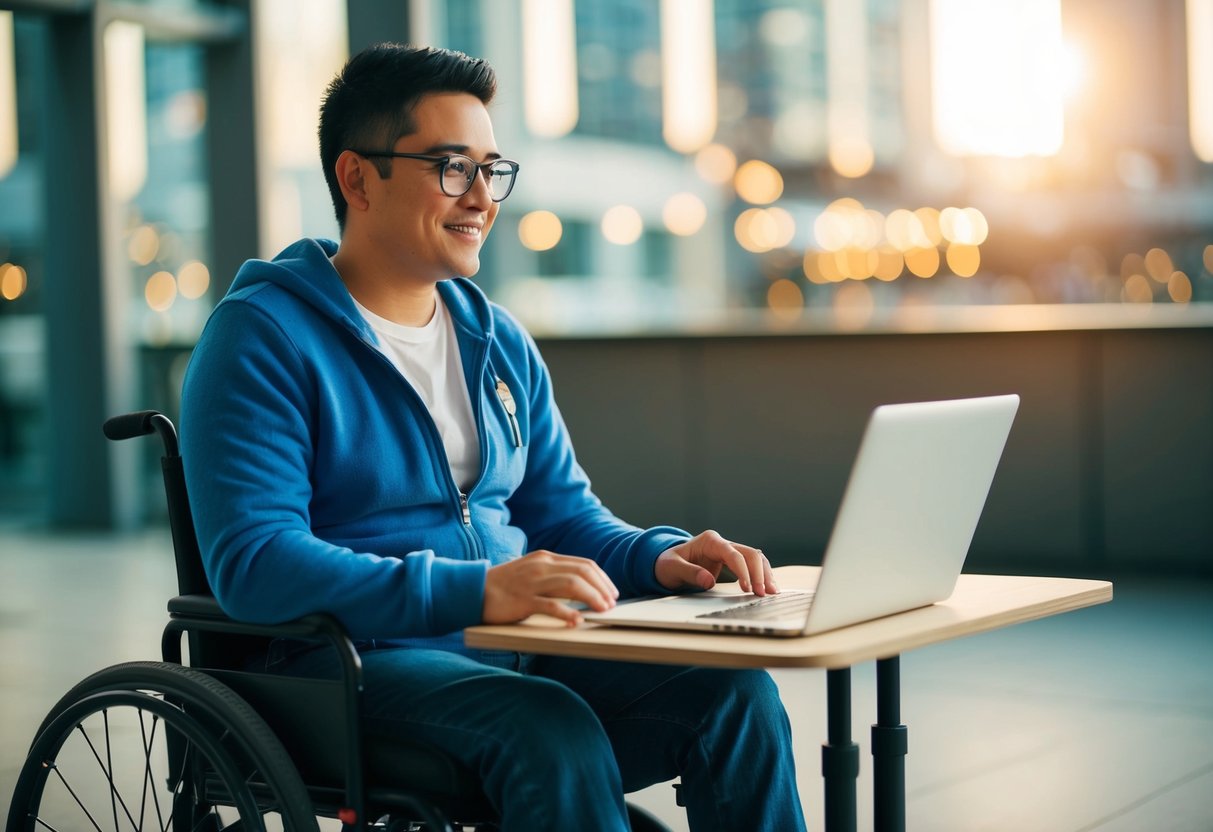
{"points": [[1100, 719]]}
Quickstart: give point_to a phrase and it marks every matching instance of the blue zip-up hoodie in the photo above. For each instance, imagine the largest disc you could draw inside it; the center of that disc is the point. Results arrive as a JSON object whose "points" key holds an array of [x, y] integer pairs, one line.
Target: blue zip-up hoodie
{"points": [[319, 483]]}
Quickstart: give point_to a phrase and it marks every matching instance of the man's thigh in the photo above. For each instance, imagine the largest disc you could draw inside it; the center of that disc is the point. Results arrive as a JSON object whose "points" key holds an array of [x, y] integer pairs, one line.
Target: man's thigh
{"points": [[658, 716], [416, 685]]}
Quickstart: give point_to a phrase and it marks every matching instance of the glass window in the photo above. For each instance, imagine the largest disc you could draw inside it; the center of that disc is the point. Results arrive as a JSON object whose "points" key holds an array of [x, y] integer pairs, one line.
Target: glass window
{"points": [[22, 246], [571, 256], [619, 70], [300, 47]]}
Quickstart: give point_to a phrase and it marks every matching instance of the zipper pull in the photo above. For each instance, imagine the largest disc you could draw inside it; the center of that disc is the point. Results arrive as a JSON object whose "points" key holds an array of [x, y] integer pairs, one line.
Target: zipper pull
{"points": [[463, 507], [511, 408]]}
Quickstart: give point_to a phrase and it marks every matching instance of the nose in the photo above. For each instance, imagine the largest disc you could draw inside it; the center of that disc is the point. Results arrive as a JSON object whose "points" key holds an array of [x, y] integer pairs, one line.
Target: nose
{"points": [[479, 194]]}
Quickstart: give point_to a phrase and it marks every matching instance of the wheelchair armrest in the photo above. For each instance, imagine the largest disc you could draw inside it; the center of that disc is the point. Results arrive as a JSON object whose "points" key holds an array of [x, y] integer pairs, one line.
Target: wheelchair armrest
{"points": [[202, 613], [204, 610]]}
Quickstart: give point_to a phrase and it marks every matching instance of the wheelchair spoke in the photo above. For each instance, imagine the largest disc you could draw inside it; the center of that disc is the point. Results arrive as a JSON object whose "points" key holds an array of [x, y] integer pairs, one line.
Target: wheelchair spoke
{"points": [[178, 788], [109, 766], [72, 792], [109, 774], [41, 822], [149, 779]]}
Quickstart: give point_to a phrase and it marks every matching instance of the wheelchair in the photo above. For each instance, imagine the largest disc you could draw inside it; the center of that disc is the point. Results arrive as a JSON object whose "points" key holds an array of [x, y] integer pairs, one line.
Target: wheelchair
{"points": [[211, 746]]}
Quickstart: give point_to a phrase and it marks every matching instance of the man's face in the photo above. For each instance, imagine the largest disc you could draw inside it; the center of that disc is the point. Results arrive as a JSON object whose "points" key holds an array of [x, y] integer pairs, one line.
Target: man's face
{"points": [[424, 232]]}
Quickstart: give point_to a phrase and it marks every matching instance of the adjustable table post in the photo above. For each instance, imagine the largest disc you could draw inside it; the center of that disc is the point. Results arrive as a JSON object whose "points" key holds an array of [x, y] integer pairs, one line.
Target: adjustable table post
{"points": [[840, 756], [889, 746]]}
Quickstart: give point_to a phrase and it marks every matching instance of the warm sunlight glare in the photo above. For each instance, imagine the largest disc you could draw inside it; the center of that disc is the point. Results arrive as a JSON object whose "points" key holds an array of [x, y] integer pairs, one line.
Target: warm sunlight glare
{"points": [[549, 67], [1200, 77], [688, 74], [126, 110], [999, 76], [8, 96]]}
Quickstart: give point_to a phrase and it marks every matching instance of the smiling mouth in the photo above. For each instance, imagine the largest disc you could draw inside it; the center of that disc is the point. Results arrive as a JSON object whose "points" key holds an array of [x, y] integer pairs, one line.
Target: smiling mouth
{"points": [[465, 229]]}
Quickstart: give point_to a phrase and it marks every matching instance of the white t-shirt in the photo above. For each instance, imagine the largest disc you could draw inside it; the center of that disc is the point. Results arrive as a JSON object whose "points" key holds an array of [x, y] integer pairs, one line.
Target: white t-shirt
{"points": [[428, 357]]}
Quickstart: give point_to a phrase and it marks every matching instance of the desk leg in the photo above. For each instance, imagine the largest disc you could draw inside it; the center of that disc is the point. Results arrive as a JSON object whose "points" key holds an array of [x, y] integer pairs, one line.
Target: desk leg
{"points": [[889, 746], [840, 756]]}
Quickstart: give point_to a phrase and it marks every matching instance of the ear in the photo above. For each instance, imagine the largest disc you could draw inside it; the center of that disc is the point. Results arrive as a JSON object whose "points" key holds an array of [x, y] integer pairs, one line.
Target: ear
{"points": [[350, 178]]}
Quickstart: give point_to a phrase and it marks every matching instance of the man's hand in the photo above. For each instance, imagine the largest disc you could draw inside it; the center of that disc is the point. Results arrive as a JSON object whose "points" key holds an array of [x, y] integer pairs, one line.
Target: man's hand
{"points": [[697, 563], [537, 581]]}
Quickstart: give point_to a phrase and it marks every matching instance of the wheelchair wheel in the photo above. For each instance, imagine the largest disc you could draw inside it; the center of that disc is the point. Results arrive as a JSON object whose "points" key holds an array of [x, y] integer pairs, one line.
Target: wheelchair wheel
{"points": [[150, 745]]}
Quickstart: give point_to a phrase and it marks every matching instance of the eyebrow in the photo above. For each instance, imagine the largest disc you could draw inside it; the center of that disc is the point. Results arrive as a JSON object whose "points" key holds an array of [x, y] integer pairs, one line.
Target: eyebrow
{"points": [[456, 148]]}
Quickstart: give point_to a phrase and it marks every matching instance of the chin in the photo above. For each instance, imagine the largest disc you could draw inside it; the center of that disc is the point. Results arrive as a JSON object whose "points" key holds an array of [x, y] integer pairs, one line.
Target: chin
{"points": [[468, 269]]}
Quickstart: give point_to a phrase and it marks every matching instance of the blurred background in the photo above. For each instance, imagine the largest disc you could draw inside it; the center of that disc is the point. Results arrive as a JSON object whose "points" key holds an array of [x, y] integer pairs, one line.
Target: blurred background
{"points": [[739, 224]]}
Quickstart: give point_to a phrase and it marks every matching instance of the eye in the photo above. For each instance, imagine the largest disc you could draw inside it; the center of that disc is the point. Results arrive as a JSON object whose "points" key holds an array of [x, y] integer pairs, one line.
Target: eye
{"points": [[459, 165]]}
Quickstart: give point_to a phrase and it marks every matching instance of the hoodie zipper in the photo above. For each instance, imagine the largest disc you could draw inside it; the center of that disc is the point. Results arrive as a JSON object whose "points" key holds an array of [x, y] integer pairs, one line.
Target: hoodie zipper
{"points": [[462, 505]]}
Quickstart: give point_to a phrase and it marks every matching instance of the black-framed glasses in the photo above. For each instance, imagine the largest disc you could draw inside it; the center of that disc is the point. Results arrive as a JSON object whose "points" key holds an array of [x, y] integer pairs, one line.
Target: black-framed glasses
{"points": [[457, 172]]}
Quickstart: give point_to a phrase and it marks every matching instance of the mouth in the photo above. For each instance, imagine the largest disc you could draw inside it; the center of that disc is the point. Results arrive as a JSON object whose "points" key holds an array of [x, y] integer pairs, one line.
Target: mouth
{"points": [[472, 231]]}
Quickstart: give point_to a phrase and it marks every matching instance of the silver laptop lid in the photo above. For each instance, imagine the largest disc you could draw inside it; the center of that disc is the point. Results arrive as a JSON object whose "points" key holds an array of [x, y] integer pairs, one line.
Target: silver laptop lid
{"points": [[910, 508]]}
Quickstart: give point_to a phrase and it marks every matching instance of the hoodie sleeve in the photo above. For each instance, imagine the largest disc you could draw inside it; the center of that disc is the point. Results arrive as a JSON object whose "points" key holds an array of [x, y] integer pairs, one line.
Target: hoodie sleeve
{"points": [[557, 509], [247, 426]]}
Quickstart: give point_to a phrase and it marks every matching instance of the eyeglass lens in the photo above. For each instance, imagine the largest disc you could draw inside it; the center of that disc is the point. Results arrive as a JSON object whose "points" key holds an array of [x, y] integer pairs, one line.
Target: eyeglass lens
{"points": [[460, 173]]}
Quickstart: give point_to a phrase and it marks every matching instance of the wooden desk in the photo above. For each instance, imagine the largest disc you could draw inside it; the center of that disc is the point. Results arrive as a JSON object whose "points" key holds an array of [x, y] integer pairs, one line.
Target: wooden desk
{"points": [[979, 604]]}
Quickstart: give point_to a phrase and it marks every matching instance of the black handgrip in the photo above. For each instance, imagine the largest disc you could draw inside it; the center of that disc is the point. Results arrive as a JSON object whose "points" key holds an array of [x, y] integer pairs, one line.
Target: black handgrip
{"points": [[129, 425]]}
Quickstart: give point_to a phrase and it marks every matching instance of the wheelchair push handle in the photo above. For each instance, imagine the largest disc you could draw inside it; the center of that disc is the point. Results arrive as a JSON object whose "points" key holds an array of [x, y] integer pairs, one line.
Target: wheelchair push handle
{"points": [[141, 423]]}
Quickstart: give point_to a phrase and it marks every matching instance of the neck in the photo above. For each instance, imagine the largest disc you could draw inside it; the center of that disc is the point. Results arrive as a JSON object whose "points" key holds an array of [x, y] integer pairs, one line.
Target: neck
{"points": [[392, 295]]}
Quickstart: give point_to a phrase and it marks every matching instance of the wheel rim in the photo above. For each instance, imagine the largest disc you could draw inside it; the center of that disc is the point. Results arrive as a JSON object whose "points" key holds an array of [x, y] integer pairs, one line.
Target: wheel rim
{"points": [[131, 760]]}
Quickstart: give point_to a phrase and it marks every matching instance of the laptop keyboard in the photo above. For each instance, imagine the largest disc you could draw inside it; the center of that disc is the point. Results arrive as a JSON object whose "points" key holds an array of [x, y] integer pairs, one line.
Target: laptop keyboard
{"points": [[767, 607]]}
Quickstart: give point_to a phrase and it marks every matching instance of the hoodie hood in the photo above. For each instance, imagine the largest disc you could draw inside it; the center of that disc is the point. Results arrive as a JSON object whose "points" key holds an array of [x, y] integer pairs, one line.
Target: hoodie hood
{"points": [[304, 270]]}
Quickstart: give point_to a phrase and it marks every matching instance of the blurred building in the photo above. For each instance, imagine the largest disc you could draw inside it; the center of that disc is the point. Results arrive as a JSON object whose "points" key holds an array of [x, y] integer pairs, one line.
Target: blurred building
{"points": [[765, 163]]}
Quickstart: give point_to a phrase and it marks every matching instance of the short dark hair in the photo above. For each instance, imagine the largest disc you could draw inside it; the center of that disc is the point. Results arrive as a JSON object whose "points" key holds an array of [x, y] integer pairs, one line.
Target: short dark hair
{"points": [[369, 105]]}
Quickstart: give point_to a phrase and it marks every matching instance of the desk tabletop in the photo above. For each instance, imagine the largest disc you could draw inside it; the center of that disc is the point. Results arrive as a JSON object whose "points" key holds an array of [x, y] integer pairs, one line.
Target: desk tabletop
{"points": [[980, 603]]}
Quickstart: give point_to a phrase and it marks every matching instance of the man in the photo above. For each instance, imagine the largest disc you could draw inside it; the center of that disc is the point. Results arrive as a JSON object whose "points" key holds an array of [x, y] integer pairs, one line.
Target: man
{"points": [[366, 435]]}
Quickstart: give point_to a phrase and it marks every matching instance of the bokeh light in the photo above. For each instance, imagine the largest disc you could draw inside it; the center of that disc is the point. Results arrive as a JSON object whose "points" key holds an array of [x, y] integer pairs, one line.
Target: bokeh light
{"points": [[756, 230], [1159, 265], [160, 291], [1179, 287], [622, 225], [144, 245], [852, 159], [963, 225], [929, 218], [716, 164], [923, 262], [193, 279], [1132, 264], [903, 229], [758, 183], [1138, 290], [785, 299], [684, 214], [13, 281], [540, 230], [964, 260], [785, 226], [889, 263]]}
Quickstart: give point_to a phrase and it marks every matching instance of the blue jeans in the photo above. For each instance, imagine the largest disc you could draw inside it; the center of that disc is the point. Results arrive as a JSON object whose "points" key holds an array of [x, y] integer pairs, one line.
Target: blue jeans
{"points": [[557, 741]]}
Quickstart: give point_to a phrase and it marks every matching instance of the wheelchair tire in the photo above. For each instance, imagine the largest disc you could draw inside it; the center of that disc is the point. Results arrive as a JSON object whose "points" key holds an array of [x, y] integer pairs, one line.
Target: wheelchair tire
{"points": [[157, 744]]}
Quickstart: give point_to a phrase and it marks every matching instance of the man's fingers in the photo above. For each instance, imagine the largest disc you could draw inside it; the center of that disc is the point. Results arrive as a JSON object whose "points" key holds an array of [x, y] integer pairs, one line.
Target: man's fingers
{"points": [[574, 578], [691, 574], [574, 587], [768, 576], [759, 569], [740, 567], [556, 609]]}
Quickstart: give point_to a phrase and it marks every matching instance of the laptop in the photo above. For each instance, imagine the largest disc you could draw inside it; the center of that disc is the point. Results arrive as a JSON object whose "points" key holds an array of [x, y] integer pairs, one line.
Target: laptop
{"points": [[907, 517]]}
